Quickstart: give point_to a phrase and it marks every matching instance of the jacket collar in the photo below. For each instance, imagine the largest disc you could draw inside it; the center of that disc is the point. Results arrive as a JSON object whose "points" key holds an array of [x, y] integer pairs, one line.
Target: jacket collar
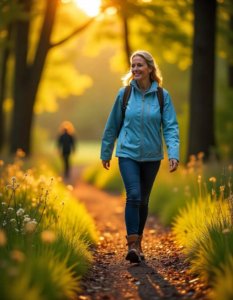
{"points": [[153, 87]]}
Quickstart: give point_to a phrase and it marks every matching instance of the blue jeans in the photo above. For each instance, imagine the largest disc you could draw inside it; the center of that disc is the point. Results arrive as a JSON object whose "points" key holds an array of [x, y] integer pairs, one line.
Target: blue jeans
{"points": [[138, 178]]}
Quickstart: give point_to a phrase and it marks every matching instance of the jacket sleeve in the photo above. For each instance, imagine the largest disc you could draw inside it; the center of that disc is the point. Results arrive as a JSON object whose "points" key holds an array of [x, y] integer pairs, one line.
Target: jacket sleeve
{"points": [[170, 128], [112, 127]]}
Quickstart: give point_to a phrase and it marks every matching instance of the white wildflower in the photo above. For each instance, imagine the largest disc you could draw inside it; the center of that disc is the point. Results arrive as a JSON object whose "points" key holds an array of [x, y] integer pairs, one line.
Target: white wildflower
{"points": [[10, 209], [4, 223], [26, 220], [17, 230], [20, 212], [4, 203], [12, 220]]}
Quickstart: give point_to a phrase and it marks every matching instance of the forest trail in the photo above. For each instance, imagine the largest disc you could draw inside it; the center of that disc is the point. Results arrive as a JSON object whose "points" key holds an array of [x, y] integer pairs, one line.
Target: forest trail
{"points": [[163, 274]]}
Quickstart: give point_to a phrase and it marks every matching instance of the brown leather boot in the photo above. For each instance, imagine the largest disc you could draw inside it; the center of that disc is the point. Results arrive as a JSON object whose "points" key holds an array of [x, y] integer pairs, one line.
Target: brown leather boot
{"points": [[133, 250], [140, 247]]}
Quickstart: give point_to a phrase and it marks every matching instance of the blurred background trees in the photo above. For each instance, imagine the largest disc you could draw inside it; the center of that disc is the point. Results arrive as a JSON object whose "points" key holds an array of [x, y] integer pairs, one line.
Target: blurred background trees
{"points": [[60, 49]]}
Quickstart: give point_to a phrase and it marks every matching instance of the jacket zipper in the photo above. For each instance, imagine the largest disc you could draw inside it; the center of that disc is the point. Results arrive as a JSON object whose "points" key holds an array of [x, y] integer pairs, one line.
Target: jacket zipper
{"points": [[123, 140], [148, 111], [142, 127]]}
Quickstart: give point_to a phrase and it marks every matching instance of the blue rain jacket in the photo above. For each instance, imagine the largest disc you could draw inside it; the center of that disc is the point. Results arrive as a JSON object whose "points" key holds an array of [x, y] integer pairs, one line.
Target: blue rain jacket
{"points": [[140, 137]]}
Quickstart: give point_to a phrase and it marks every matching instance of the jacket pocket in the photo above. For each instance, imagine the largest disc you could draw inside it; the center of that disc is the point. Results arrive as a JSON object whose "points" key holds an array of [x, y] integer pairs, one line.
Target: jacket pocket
{"points": [[123, 141]]}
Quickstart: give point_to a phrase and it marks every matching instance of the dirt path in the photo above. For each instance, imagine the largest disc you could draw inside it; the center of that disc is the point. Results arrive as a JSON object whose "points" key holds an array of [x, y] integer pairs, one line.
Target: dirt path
{"points": [[163, 275]]}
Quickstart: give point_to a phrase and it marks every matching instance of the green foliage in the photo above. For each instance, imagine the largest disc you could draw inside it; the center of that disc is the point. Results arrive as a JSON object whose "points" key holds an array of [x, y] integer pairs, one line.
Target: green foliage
{"points": [[45, 261]]}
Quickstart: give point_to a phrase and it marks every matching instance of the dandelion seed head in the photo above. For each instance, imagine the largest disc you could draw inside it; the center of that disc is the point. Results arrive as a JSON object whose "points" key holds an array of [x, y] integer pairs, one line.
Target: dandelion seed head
{"points": [[25, 175], [10, 209], [212, 179], [26, 220], [20, 212], [4, 223], [3, 203], [12, 220], [14, 179], [8, 187], [222, 188], [30, 227], [52, 178], [62, 203]]}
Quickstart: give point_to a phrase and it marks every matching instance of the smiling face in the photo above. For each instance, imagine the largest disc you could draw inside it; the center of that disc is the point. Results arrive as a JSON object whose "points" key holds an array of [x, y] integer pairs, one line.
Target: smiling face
{"points": [[140, 69]]}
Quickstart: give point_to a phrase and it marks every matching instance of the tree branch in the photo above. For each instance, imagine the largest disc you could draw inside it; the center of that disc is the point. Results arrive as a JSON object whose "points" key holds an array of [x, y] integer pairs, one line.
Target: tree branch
{"points": [[73, 33]]}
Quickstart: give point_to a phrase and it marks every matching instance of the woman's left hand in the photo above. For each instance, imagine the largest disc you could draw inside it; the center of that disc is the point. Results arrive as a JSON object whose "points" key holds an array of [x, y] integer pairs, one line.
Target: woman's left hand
{"points": [[173, 165]]}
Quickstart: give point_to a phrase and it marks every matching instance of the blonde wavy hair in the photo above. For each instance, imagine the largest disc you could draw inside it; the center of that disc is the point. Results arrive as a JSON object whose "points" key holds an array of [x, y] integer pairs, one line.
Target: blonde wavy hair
{"points": [[155, 74], [66, 125]]}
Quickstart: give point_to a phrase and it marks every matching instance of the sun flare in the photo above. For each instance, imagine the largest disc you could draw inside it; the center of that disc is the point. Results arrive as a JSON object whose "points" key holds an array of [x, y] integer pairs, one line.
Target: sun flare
{"points": [[90, 7]]}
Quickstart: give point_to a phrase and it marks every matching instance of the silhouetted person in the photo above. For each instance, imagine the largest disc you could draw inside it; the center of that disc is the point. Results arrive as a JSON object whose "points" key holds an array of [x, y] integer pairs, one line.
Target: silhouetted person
{"points": [[66, 145]]}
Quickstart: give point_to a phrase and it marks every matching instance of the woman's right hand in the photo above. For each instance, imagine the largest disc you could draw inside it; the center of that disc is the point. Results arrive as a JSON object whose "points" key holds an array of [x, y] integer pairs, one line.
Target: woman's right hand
{"points": [[106, 164]]}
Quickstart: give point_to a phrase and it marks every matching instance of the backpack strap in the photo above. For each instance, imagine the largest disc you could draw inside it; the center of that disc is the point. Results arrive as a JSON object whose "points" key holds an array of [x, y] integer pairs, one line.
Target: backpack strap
{"points": [[160, 98], [126, 96]]}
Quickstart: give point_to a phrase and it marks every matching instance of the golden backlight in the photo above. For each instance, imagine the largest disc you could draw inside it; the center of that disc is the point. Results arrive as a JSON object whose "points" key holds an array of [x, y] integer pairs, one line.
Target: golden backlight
{"points": [[90, 7]]}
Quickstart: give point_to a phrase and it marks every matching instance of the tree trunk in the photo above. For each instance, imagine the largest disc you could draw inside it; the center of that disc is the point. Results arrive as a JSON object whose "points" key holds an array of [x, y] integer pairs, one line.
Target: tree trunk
{"points": [[201, 128], [230, 65], [5, 56], [126, 40], [27, 78]]}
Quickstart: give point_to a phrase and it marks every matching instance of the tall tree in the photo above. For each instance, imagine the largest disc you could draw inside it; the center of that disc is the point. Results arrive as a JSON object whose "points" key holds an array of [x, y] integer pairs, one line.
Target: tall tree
{"points": [[28, 75], [201, 128]]}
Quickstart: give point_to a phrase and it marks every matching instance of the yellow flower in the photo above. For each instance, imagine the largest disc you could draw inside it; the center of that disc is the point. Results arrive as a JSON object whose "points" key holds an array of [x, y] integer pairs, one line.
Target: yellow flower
{"points": [[226, 230], [200, 155], [48, 237], [70, 187], [2, 238], [17, 255]]}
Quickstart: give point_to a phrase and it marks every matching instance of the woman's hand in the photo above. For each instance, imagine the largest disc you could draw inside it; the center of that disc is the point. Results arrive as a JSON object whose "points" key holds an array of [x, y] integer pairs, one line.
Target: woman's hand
{"points": [[106, 164], [173, 165]]}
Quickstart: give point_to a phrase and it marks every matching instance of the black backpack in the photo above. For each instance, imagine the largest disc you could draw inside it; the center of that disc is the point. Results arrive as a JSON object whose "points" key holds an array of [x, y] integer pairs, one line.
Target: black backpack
{"points": [[127, 93]]}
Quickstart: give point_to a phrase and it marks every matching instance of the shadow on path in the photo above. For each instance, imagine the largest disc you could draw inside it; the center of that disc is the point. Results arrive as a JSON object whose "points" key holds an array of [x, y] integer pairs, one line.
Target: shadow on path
{"points": [[151, 284]]}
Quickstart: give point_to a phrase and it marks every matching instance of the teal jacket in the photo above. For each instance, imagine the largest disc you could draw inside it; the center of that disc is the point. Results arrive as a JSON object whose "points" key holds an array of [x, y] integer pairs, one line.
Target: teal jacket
{"points": [[141, 137]]}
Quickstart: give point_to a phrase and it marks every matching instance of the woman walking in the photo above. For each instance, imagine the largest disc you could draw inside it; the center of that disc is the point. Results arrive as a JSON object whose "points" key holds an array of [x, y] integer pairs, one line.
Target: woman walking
{"points": [[139, 146]]}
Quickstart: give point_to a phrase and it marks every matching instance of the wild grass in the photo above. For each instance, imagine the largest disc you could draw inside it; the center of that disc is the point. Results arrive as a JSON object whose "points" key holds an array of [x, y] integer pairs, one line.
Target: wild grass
{"points": [[44, 237], [205, 229]]}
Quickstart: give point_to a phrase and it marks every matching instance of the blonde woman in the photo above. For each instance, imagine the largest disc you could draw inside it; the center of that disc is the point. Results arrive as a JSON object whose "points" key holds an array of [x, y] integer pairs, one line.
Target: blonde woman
{"points": [[139, 146]]}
